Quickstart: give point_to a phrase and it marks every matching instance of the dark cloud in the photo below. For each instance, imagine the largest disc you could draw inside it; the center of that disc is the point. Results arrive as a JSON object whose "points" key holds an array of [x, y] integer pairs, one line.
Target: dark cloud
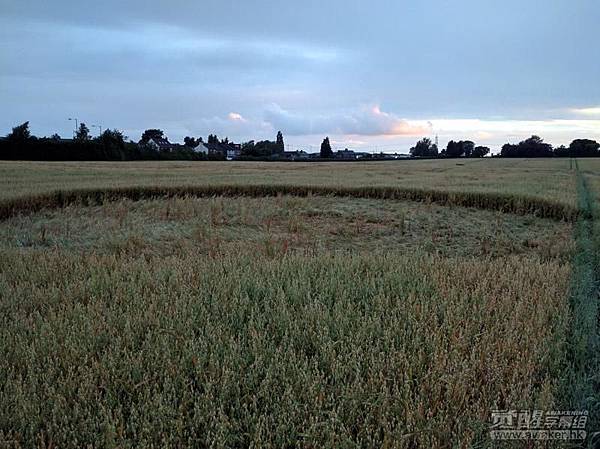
{"points": [[187, 65]]}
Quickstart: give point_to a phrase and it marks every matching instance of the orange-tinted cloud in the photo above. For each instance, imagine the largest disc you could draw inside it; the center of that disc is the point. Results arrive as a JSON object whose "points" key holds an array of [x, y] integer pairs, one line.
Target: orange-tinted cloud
{"points": [[366, 121]]}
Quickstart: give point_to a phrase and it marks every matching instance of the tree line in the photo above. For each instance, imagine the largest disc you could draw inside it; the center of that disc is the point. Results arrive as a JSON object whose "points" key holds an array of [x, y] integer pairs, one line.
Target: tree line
{"points": [[19, 144], [111, 145], [534, 146]]}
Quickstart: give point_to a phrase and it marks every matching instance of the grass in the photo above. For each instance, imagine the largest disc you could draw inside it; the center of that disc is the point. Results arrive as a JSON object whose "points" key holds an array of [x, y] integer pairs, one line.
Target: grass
{"points": [[325, 351], [292, 305]]}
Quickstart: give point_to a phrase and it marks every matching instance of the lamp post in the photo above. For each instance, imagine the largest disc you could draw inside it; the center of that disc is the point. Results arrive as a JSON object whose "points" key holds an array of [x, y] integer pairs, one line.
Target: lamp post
{"points": [[98, 126], [76, 125]]}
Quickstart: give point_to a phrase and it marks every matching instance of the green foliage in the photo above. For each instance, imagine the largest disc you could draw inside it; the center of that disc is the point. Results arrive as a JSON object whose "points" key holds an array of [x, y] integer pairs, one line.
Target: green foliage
{"points": [[424, 148], [463, 148], [326, 151], [190, 142], [113, 142], [584, 148], [83, 133], [19, 134], [480, 151], [151, 134], [17, 143], [531, 147], [262, 149]]}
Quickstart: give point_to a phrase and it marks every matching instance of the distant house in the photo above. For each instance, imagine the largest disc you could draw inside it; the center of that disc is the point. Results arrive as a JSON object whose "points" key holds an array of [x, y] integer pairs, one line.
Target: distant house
{"points": [[159, 144], [200, 148], [295, 155], [215, 149], [345, 154], [227, 151], [232, 150]]}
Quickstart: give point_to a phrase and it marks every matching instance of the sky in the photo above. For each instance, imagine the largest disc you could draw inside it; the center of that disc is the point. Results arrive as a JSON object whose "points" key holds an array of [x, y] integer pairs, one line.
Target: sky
{"points": [[373, 76]]}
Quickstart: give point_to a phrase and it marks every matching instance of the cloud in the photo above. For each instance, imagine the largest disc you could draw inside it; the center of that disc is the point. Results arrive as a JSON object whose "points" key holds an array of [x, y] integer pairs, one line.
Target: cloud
{"points": [[235, 117], [359, 122], [589, 112], [153, 51], [233, 125]]}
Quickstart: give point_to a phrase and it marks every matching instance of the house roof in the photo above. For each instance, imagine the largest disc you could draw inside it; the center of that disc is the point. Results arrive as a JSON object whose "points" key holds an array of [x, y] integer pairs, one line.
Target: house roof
{"points": [[161, 142]]}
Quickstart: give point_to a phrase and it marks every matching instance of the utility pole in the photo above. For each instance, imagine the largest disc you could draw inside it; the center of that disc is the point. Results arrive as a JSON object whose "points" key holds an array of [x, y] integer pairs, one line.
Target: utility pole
{"points": [[76, 125], [98, 126]]}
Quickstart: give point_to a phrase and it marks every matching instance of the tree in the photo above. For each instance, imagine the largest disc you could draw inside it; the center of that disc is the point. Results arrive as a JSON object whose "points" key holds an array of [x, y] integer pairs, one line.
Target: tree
{"points": [[213, 138], [19, 133], [113, 145], [424, 148], [480, 151], [467, 147], [459, 149], [18, 144], [326, 152], [280, 144], [152, 134], [584, 148], [112, 137], [531, 147], [509, 150], [190, 142], [535, 147], [453, 149], [265, 149], [83, 133], [562, 151]]}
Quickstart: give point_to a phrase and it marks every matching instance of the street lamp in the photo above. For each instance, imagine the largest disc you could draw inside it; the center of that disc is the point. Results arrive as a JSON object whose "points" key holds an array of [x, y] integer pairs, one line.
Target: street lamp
{"points": [[76, 125], [98, 126]]}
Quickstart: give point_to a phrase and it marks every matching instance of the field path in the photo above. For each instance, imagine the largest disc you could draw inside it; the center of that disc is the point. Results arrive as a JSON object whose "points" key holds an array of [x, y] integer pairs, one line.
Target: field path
{"points": [[581, 383]]}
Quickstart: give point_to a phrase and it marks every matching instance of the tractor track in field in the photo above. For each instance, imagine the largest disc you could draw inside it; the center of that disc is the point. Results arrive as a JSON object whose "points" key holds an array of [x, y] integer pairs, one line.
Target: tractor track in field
{"points": [[581, 380]]}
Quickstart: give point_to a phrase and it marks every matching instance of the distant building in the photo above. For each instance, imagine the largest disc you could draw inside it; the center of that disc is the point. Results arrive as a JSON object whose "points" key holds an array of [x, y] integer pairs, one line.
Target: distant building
{"points": [[295, 155], [200, 148], [345, 154], [232, 151], [229, 151], [159, 144]]}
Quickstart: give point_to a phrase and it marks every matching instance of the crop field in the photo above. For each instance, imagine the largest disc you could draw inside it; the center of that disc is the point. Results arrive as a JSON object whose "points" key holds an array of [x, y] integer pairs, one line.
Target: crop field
{"points": [[163, 316], [548, 179]]}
